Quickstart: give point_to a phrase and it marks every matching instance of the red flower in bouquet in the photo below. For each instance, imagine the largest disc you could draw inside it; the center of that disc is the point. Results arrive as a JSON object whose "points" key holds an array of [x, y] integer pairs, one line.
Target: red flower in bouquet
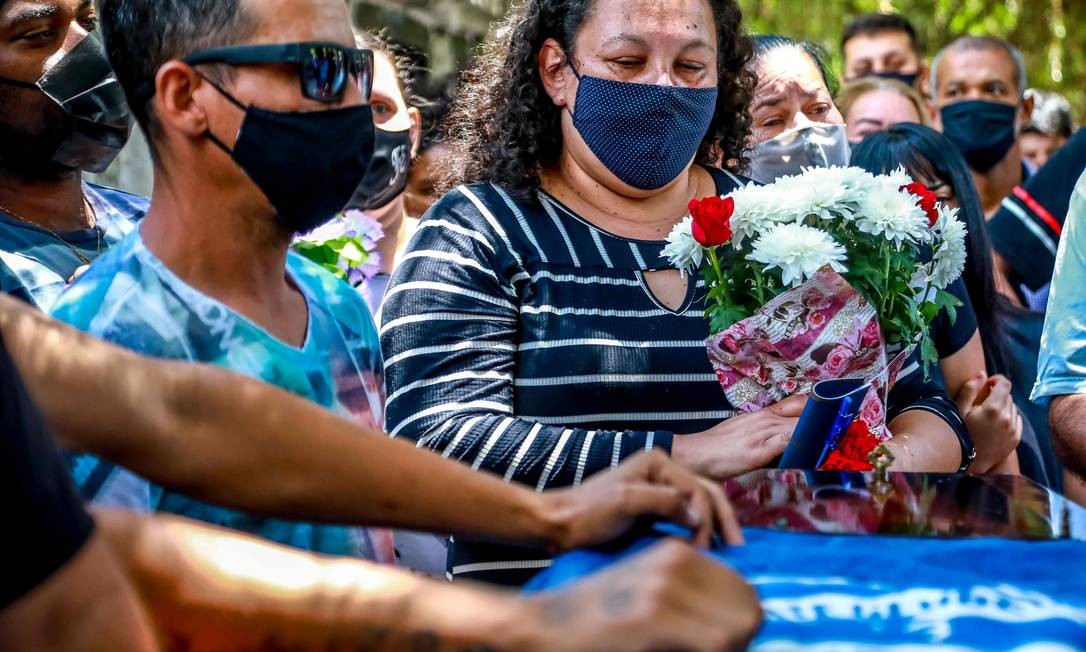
{"points": [[712, 220], [852, 453], [926, 199]]}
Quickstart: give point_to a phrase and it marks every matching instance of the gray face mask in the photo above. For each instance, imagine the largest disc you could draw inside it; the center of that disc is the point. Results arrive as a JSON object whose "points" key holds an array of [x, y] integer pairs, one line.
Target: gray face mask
{"points": [[83, 85], [814, 145]]}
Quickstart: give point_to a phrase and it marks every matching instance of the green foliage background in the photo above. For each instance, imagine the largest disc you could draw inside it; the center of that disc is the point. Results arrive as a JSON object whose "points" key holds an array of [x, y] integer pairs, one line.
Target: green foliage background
{"points": [[1050, 33]]}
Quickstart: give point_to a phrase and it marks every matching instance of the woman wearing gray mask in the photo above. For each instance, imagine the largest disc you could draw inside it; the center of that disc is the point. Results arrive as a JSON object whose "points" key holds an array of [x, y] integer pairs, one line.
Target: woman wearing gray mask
{"points": [[795, 123]]}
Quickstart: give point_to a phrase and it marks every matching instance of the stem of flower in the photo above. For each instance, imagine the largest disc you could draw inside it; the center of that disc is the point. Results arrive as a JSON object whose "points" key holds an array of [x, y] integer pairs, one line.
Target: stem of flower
{"points": [[885, 278], [759, 285], [715, 262]]}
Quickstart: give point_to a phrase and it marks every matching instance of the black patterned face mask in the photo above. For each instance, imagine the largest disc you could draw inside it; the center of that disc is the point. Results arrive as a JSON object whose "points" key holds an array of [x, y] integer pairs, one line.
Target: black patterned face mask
{"points": [[386, 178]]}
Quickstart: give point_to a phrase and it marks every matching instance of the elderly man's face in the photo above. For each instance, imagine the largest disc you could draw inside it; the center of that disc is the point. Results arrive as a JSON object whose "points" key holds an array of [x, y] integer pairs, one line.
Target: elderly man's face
{"points": [[34, 35]]}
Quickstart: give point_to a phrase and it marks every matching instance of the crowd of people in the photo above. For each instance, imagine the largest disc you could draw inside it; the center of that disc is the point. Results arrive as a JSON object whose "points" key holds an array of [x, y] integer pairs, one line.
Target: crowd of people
{"points": [[251, 447]]}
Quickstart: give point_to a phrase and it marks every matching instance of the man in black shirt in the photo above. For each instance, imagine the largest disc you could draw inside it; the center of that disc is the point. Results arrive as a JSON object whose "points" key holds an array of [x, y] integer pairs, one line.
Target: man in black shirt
{"points": [[978, 85], [1026, 230]]}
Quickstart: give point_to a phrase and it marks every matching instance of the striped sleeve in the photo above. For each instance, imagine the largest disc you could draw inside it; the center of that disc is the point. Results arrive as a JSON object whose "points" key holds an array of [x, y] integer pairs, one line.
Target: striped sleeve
{"points": [[449, 332]]}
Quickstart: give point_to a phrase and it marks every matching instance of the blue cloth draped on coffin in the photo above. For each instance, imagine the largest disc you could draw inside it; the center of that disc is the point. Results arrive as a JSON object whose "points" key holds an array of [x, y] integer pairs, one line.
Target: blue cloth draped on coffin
{"points": [[841, 592]]}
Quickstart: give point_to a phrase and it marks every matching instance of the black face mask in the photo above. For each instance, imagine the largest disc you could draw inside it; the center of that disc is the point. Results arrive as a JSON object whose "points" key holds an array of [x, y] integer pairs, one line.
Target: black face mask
{"points": [[983, 131], [909, 79], [386, 178], [308, 164], [92, 121]]}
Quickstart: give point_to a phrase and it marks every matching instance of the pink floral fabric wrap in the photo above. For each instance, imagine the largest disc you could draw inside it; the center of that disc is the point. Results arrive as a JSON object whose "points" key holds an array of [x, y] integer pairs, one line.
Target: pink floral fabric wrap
{"points": [[821, 330]]}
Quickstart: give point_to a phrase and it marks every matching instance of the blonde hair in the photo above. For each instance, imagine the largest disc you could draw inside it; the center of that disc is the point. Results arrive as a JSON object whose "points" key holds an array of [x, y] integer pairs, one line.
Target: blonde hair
{"points": [[854, 90]]}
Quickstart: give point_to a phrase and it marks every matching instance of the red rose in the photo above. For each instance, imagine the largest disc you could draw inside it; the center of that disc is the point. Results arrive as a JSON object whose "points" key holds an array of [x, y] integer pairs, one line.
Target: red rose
{"points": [[926, 200], [852, 454], [712, 220]]}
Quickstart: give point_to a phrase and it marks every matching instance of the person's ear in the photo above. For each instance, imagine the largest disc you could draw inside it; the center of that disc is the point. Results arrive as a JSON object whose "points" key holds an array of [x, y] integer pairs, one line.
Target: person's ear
{"points": [[557, 76], [933, 113], [180, 92], [415, 131], [923, 80]]}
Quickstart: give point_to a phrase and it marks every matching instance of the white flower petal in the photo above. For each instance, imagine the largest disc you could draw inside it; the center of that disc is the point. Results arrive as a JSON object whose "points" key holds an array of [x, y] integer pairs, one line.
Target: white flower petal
{"points": [[798, 251]]}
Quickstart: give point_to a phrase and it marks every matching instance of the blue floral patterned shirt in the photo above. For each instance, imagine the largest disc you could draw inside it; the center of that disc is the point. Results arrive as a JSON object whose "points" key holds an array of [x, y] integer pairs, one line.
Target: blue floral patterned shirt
{"points": [[35, 264], [129, 297]]}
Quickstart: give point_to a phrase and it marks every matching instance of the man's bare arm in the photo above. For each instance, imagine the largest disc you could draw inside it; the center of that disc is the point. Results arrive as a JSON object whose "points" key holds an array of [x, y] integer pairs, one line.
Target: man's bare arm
{"points": [[1067, 420], [231, 440], [214, 589]]}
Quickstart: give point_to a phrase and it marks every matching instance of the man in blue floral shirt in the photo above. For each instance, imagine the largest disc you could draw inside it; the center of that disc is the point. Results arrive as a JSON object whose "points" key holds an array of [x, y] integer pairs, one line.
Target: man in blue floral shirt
{"points": [[61, 112]]}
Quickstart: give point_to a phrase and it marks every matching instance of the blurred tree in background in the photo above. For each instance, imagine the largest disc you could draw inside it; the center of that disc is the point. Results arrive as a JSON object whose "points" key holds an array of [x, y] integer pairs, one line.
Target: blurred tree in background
{"points": [[1043, 29]]}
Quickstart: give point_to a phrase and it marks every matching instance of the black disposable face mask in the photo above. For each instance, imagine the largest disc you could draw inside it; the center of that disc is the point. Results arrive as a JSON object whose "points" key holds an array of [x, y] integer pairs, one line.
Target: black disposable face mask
{"points": [[96, 115], [308, 164], [909, 79], [386, 178], [983, 131]]}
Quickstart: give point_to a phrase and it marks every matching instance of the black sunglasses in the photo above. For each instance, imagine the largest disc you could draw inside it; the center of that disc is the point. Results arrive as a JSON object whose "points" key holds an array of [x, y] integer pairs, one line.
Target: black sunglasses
{"points": [[324, 68]]}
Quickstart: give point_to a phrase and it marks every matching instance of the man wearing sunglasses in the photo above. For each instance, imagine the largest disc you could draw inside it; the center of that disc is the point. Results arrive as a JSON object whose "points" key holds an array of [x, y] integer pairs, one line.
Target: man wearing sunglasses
{"points": [[61, 113], [259, 125]]}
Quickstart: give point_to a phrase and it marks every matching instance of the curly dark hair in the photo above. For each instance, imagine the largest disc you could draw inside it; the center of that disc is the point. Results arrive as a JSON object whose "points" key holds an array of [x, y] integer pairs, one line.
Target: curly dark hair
{"points": [[503, 125]]}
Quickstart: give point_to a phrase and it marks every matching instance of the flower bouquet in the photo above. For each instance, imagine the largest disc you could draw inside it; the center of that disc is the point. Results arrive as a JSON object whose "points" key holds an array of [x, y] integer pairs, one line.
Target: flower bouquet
{"points": [[833, 273], [345, 246]]}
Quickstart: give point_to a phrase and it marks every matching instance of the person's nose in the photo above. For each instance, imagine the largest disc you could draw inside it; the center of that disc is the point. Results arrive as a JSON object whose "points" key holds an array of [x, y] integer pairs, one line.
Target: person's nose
{"points": [[76, 34], [663, 75], [799, 120]]}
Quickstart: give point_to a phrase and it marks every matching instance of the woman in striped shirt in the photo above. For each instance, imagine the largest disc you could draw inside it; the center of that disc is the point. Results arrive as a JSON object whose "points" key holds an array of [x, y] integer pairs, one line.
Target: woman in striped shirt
{"points": [[533, 329]]}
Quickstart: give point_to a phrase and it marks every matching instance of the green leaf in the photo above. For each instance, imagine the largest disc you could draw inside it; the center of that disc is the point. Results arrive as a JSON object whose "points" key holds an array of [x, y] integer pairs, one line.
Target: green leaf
{"points": [[928, 353]]}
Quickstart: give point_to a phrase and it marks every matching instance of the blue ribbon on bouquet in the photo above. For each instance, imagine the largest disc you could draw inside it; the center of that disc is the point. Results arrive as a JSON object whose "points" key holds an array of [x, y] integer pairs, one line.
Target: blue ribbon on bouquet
{"points": [[831, 409]]}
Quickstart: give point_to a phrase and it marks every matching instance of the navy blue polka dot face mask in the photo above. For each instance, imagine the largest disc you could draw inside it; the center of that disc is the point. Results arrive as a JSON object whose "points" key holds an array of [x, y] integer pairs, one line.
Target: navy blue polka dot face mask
{"points": [[645, 134]]}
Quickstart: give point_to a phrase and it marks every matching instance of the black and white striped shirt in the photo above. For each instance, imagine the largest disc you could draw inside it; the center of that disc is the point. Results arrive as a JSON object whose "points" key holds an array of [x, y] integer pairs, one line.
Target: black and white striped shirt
{"points": [[523, 340]]}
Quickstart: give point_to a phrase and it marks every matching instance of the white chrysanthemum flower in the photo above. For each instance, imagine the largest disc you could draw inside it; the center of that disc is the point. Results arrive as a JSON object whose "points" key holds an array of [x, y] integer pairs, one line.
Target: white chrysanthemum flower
{"points": [[682, 250], [949, 261], [896, 179], [946, 215], [821, 193], [798, 251], [757, 209], [850, 178], [893, 214]]}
